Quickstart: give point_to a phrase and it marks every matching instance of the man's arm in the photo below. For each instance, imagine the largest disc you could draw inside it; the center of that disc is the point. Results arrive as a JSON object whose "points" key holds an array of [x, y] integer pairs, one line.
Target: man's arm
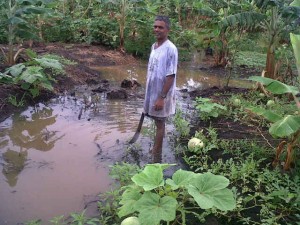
{"points": [[168, 84], [159, 104]]}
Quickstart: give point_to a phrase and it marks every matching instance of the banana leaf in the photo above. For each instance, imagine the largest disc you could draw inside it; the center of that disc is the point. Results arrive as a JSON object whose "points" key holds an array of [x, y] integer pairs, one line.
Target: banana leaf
{"points": [[285, 127]]}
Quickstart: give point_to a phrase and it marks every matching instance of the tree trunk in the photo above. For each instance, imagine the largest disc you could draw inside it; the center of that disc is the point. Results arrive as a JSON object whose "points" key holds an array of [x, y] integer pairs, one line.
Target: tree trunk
{"points": [[270, 64]]}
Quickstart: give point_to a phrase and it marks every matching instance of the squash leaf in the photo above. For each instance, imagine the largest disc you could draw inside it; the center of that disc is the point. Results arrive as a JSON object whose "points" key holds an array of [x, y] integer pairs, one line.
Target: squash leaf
{"points": [[151, 177], [210, 190], [180, 178], [129, 199], [153, 208]]}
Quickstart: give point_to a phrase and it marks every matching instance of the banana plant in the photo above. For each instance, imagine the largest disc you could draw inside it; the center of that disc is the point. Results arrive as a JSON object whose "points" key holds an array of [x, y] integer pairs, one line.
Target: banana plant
{"points": [[286, 126], [120, 10], [18, 26], [275, 17]]}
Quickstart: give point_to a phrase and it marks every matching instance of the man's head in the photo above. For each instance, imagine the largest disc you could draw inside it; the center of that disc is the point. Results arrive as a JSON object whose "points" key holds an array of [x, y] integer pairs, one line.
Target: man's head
{"points": [[161, 27], [164, 19]]}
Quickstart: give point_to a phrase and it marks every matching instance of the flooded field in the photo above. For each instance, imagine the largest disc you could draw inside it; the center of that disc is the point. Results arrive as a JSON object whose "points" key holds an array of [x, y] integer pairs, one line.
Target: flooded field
{"points": [[55, 157]]}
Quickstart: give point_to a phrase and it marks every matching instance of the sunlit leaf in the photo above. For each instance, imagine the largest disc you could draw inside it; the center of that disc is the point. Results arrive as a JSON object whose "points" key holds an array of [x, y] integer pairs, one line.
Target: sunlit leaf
{"points": [[15, 70], [31, 74], [153, 208], [180, 178], [210, 190], [285, 127], [49, 63], [129, 199], [151, 177]]}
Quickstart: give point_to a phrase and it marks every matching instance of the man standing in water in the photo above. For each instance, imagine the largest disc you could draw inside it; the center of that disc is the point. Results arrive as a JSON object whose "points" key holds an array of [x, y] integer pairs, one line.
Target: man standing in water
{"points": [[161, 81]]}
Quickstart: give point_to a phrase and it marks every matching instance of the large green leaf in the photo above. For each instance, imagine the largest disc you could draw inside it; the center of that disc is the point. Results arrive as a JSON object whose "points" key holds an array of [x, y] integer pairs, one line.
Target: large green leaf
{"points": [[49, 63], [267, 114], [180, 178], [274, 86], [153, 208], [210, 190], [129, 199], [151, 177], [15, 70], [31, 74], [285, 127]]}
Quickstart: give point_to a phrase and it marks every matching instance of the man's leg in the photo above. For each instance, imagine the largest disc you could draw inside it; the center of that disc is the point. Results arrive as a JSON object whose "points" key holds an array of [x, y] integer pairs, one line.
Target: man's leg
{"points": [[158, 142]]}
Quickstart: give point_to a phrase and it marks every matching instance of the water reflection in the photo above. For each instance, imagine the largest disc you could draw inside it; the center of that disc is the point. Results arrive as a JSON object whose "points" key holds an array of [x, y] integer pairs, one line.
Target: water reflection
{"points": [[26, 132], [32, 132], [15, 163]]}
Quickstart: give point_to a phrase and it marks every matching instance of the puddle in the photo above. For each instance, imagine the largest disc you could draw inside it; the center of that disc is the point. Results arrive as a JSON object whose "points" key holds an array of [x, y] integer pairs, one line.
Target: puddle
{"points": [[52, 161]]}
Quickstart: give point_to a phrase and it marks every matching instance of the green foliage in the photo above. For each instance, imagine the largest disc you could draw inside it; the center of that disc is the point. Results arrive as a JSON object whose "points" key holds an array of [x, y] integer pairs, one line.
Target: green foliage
{"points": [[12, 99], [255, 186], [250, 59], [34, 222], [58, 220], [295, 39], [181, 124], [81, 219], [208, 109], [155, 199], [209, 137], [32, 76], [122, 172]]}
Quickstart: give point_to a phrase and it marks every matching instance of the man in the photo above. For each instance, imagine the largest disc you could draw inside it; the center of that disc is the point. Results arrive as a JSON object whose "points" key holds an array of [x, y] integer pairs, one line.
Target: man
{"points": [[161, 81]]}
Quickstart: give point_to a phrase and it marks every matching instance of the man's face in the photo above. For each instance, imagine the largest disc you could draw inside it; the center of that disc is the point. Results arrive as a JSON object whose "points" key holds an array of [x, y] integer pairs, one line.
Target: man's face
{"points": [[160, 30]]}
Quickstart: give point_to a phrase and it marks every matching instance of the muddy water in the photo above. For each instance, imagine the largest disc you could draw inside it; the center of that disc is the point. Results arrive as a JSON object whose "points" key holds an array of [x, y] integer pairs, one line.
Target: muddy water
{"points": [[55, 157]]}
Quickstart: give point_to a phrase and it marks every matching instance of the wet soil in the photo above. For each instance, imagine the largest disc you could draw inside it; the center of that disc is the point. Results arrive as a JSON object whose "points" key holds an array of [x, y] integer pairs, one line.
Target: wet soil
{"points": [[86, 56]]}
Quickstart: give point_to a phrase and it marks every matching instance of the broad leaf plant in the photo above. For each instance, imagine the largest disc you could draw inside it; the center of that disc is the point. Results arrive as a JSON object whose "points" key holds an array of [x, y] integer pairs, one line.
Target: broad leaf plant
{"points": [[155, 199]]}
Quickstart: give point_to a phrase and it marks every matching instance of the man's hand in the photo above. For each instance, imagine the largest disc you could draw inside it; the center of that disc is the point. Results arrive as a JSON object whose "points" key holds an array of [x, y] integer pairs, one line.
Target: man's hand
{"points": [[159, 104]]}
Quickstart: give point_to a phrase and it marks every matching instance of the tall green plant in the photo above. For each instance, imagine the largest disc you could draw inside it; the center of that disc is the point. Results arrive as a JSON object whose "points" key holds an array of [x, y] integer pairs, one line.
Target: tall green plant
{"points": [[275, 17], [18, 26], [155, 199], [286, 126], [121, 10]]}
